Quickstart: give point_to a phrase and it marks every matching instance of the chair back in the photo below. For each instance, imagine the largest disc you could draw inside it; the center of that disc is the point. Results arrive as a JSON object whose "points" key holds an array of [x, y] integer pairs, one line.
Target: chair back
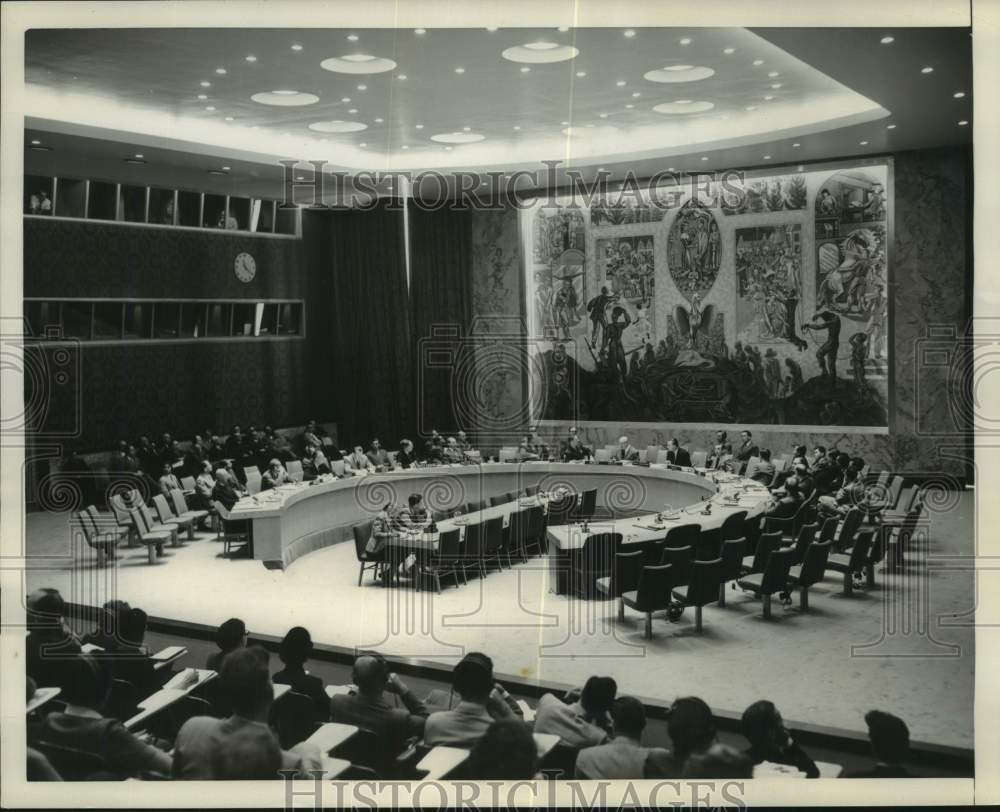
{"points": [[814, 565], [599, 552], [338, 467], [829, 528], [654, 587], [751, 463], [776, 571], [651, 453], [907, 501], [498, 500], [449, 544], [162, 508], [852, 522], [602, 455], [483, 504], [681, 561], [221, 510], [362, 535], [494, 535], [683, 535], [560, 762], [859, 552], [643, 455], [626, 571], [117, 505], [732, 558], [139, 520], [536, 522], [883, 479], [254, 483], [531, 490], [733, 526], [71, 764], [709, 544], [180, 503], [295, 470], [188, 483], [475, 539], [559, 509], [698, 459], [87, 526], [294, 717], [802, 541], [512, 496], [895, 488], [472, 507], [704, 585], [518, 528], [766, 545], [588, 504]]}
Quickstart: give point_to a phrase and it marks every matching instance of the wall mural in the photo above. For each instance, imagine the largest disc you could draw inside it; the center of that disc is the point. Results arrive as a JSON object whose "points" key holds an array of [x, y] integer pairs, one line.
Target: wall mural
{"points": [[775, 313]]}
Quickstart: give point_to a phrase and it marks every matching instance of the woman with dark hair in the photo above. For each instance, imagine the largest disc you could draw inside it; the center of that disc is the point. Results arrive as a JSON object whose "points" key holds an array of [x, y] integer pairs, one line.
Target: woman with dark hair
{"points": [[295, 650], [691, 728], [505, 752], [230, 636]]}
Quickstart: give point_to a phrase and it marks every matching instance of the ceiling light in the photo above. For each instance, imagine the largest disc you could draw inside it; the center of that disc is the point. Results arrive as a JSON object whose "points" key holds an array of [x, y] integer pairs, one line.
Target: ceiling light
{"points": [[671, 169], [379, 120], [402, 77], [525, 69], [704, 157], [758, 62], [604, 115], [683, 106], [353, 110], [728, 52], [229, 118], [202, 97], [959, 95], [581, 73], [225, 169], [928, 69], [358, 63], [296, 47], [139, 155], [629, 106], [776, 86], [686, 41], [636, 95], [621, 83], [420, 126], [863, 143], [466, 129], [517, 126], [448, 149], [678, 73], [750, 107], [346, 99], [540, 52], [352, 37], [299, 177], [458, 137], [251, 58], [887, 40], [216, 172], [494, 28], [774, 74], [406, 146], [767, 157], [459, 70], [362, 87], [134, 161], [796, 145], [285, 98], [205, 84], [562, 29], [210, 109], [419, 31], [890, 127], [363, 144], [35, 142], [769, 98], [629, 33], [563, 123], [40, 148], [962, 123], [220, 71]]}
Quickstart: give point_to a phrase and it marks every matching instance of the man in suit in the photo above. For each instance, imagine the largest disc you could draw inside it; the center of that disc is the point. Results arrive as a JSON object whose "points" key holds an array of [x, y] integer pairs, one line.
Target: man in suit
{"points": [[481, 702], [275, 476], [770, 740], [463, 442], [227, 489], [452, 451], [310, 436], [787, 505], [369, 708], [50, 640], [722, 439], [624, 756], [434, 447], [827, 474], [378, 456], [406, 458], [583, 723], [575, 450], [314, 462], [567, 441], [676, 455], [890, 740], [762, 470], [357, 460], [626, 452], [746, 449]]}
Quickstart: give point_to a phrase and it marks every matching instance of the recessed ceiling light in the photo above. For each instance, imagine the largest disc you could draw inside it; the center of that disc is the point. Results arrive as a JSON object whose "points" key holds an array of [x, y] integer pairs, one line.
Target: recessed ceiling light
{"points": [[216, 172], [686, 41], [210, 109], [229, 118], [139, 155], [402, 77], [225, 169], [629, 106], [419, 31], [134, 161], [704, 157], [758, 62], [466, 129], [459, 70], [629, 33], [35, 142], [959, 95], [563, 123], [494, 28], [671, 169], [448, 149], [363, 144], [890, 127], [299, 177], [684, 106], [362, 87], [727, 52], [352, 37], [296, 47], [887, 40], [220, 71], [776, 86], [962, 123], [205, 84], [621, 83], [927, 69], [353, 110], [251, 58], [358, 63], [863, 143], [406, 146], [769, 98], [346, 99], [562, 29], [379, 120], [773, 74], [517, 126], [678, 73], [202, 97], [525, 69], [465, 137], [636, 95], [420, 126], [750, 107], [796, 145], [581, 73], [284, 98]]}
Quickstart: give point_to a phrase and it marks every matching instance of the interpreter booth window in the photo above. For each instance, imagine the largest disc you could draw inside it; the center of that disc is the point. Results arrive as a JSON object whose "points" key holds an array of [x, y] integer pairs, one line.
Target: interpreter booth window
{"points": [[290, 319], [244, 319], [107, 320], [193, 315], [76, 317], [41, 319], [138, 320], [166, 320], [219, 319]]}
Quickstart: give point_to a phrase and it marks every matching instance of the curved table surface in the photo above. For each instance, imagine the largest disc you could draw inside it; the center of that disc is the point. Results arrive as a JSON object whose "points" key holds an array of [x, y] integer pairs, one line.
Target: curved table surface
{"points": [[292, 520]]}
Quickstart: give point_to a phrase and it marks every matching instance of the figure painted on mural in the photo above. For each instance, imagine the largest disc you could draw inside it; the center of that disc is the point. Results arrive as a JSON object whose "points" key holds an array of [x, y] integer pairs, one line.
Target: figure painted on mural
{"points": [[826, 205], [566, 305], [597, 307], [695, 322], [859, 354], [794, 374], [876, 306], [641, 326], [714, 245], [613, 338], [826, 355], [543, 302], [772, 373]]}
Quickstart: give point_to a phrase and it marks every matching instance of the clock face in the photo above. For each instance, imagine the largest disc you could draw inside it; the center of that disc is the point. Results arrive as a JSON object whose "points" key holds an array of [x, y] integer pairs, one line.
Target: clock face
{"points": [[245, 267]]}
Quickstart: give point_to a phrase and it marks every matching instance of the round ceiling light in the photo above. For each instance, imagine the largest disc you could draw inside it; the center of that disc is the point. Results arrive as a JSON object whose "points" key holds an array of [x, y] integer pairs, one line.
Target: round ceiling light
{"points": [[358, 63], [285, 98], [679, 73], [590, 131], [458, 138], [338, 126], [536, 53], [683, 106]]}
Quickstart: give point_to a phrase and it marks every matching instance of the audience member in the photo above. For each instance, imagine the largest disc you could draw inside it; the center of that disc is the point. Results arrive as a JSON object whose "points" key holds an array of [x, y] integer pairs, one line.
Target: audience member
{"points": [[310, 436], [481, 701], [770, 740], [463, 441], [575, 450], [233, 447], [50, 641], [275, 476], [452, 453], [851, 494], [357, 460], [526, 451], [720, 761], [828, 476], [567, 441], [676, 455], [406, 458], [314, 463], [582, 723], [626, 452], [369, 708], [434, 447], [763, 469], [623, 756], [247, 753], [227, 489], [230, 636], [722, 441], [378, 456], [890, 741], [505, 752], [204, 488], [295, 650], [245, 683], [691, 729], [788, 504], [168, 481], [747, 448]]}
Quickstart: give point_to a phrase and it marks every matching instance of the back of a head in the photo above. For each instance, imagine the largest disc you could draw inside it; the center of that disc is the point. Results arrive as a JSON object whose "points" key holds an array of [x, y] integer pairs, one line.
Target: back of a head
{"points": [[758, 722], [691, 726], [765, 454], [245, 681], [472, 678], [370, 674], [230, 634], [249, 753], [505, 752], [718, 761], [133, 626], [296, 647], [889, 735], [45, 608], [629, 717], [598, 695], [85, 682], [843, 460]]}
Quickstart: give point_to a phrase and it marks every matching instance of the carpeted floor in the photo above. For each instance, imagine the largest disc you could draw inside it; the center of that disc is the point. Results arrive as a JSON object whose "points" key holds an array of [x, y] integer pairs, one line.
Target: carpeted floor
{"points": [[904, 647]]}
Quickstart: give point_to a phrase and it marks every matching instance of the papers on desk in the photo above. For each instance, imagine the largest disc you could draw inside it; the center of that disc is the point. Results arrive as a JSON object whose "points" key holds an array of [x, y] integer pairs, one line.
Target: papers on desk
{"points": [[545, 742], [334, 690], [280, 690], [189, 678], [168, 653], [769, 769], [440, 761], [331, 735], [179, 686], [332, 767], [529, 714], [90, 648]]}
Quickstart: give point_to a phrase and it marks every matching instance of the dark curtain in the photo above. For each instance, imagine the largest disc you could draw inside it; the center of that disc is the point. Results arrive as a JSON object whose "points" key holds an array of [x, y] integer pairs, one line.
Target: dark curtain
{"points": [[361, 356], [441, 296]]}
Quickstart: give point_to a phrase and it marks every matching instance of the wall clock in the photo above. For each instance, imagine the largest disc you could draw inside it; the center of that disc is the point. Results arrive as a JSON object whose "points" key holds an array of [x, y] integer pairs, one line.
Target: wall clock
{"points": [[245, 267]]}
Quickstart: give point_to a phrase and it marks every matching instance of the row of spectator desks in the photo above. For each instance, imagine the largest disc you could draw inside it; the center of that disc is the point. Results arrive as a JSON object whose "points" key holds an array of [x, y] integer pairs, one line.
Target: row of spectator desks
{"points": [[295, 519]]}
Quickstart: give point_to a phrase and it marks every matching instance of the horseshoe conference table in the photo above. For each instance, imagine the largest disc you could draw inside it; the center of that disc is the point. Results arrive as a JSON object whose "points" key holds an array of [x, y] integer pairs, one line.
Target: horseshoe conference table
{"points": [[295, 519]]}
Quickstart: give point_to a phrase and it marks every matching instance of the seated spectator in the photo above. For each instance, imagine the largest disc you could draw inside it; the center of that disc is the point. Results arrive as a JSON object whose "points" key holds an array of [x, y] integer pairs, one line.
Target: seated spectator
{"points": [[357, 460], [168, 481], [676, 455], [227, 490], [747, 448], [248, 753], [720, 761], [196, 455], [82, 726], [582, 723], [788, 504], [576, 450], [452, 453], [295, 650], [107, 635], [770, 740], [315, 463], [481, 702], [850, 495], [623, 756], [539, 446], [463, 442], [799, 456], [763, 470], [806, 485], [230, 636], [246, 684], [215, 450], [526, 451], [567, 441], [406, 457], [149, 459], [691, 729], [434, 447], [233, 447], [414, 514], [626, 452], [828, 476], [275, 476], [722, 441], [369, 708], [204, 487], [718, 457], [890, 741], [505, 752], [50, 642], [120, 632], [310, 436], [378, 456]]}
